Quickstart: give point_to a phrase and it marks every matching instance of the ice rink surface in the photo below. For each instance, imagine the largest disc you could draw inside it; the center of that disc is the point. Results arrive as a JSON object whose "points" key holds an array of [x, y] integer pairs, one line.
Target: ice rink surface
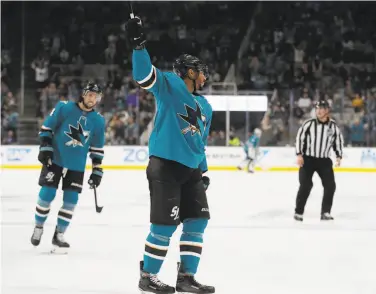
{"points": [[252, 245]]}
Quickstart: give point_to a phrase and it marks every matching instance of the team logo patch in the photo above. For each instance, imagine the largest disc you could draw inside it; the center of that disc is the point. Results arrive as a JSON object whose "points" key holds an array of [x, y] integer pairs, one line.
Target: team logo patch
{"points": [[78, 136], [195, 118], [50, 177]]}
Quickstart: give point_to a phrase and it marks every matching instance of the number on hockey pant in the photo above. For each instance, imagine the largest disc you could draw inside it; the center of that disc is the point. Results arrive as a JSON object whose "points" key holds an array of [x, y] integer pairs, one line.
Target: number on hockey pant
{"points": [[175, 212]]}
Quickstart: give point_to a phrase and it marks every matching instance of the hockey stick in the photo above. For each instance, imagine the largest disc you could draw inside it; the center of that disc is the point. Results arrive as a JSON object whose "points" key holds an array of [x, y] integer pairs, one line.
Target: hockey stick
{"points": [[98, 209], [131, 14]]}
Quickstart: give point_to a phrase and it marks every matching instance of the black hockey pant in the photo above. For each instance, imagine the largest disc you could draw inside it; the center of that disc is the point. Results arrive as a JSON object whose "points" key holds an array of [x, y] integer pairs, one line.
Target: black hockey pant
{"points": [[324, 168]]}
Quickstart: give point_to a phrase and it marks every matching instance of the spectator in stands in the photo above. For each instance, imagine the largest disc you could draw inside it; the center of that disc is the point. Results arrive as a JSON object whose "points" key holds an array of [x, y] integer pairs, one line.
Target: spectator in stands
{"points": [[305, 102], [116, 131], [10, 119], [212, 138], [9, 99], [357, 103], [371, 105], [40, 66], [234, 141], [221, 140], [131, 132], [49, 98], [10, 138], [357, 133], [5, 72]]}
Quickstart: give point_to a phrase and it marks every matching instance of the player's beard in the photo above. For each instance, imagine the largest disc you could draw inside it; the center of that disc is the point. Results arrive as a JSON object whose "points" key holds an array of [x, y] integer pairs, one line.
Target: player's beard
{"points": [[198, 86], [87, 106]]}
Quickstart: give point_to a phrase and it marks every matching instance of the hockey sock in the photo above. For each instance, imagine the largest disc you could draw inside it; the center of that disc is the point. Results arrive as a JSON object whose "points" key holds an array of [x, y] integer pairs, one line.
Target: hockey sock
{"points": [[65, 214], [191, 244], [250, 164], [46, 196], [156, 247]]}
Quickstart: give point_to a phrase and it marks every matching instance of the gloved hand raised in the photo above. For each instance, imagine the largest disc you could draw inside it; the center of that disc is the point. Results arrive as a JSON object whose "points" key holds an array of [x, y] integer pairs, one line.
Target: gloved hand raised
{"points": [[135, 33]]}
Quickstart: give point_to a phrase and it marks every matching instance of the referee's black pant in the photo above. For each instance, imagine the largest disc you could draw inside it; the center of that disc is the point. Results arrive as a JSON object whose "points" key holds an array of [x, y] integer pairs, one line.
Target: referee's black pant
{"points": [[324, 168]]}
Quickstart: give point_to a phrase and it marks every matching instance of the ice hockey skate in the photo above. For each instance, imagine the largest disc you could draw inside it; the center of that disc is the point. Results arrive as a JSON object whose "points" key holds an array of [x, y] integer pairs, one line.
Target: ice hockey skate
{"points": [[60, 246], [186, 284], [149, 283], [37, 235], [326, 217], [298, 217]]}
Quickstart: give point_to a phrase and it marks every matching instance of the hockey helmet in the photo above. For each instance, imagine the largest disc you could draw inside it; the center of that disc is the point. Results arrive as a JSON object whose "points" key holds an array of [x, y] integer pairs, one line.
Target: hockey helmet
{"points": [[93, 87], [185, 62], [258, 132], [322, 104]]}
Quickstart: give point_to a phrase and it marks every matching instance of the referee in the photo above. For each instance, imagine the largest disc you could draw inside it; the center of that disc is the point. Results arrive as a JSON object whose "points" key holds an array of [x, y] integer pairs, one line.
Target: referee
{"points": [[314, 140]]}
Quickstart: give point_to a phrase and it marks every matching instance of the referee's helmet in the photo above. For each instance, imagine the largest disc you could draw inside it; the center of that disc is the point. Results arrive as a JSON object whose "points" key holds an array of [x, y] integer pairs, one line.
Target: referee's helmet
{"points": [[322, 104]]}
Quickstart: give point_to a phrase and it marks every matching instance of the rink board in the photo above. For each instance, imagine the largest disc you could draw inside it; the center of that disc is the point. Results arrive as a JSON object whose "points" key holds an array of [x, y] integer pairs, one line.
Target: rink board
{"points": [[219, 158]]}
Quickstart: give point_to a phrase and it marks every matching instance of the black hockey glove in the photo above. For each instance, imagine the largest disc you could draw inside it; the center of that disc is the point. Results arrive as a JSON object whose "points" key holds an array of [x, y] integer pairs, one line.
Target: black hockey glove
{"points": [[95, 177], [46, 154], [206, 182], [135, 33]]}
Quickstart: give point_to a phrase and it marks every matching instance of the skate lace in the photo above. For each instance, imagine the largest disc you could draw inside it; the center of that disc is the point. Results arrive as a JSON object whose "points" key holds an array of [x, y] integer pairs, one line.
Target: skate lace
{"points": [[38, 233], [156, 281], [197, 283]]}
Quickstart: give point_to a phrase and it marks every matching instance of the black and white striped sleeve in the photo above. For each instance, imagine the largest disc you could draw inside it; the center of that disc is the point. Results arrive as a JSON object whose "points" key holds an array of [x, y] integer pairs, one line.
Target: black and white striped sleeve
{"points": [[302, 136], [338, 142]]}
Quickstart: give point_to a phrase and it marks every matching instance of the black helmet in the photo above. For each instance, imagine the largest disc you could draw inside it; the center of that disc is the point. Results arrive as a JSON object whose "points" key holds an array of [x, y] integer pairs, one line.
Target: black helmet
{"points": [[185, 62], [322, 104], [92, 87]]}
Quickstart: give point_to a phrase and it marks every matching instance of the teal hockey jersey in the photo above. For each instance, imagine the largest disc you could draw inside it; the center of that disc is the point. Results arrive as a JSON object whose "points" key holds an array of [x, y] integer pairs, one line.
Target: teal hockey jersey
{"points": [[253, 142], [74, 134], [182, 120]]}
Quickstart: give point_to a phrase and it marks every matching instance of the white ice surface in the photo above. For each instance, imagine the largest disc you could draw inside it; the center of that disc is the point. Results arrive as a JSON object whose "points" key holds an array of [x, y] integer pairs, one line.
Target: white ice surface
{"points": [[252, 245]]}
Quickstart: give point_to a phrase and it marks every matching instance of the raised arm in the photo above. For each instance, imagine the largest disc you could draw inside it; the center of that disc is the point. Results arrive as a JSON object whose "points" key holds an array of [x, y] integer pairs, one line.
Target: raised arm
{"points": [[145, 74]]}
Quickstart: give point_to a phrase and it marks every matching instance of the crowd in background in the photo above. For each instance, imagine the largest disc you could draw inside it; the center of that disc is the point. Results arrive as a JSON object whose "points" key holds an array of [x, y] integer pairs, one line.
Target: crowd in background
{"points": [[9, 102], [67, 45], [322, 50], [299, 51]]}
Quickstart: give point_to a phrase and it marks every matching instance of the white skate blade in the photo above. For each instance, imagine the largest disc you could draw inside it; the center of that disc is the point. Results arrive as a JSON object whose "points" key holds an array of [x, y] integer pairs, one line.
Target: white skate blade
{"points": [[59, 250]]}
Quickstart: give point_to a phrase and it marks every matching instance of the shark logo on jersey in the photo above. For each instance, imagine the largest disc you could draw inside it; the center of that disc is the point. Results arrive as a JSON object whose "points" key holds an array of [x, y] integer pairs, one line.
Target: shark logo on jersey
{"points": [[83, 118], [195, 118], [77, 135]]}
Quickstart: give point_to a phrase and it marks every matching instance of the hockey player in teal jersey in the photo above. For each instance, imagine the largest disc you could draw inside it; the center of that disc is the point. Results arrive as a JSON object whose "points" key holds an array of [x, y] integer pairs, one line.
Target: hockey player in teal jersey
{"points": [[176, 166], [251, 149], [68, 134]]}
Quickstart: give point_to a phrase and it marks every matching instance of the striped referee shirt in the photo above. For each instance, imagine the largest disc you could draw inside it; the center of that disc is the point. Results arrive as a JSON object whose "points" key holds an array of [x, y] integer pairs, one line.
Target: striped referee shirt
{"points": [[315, 139]]}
